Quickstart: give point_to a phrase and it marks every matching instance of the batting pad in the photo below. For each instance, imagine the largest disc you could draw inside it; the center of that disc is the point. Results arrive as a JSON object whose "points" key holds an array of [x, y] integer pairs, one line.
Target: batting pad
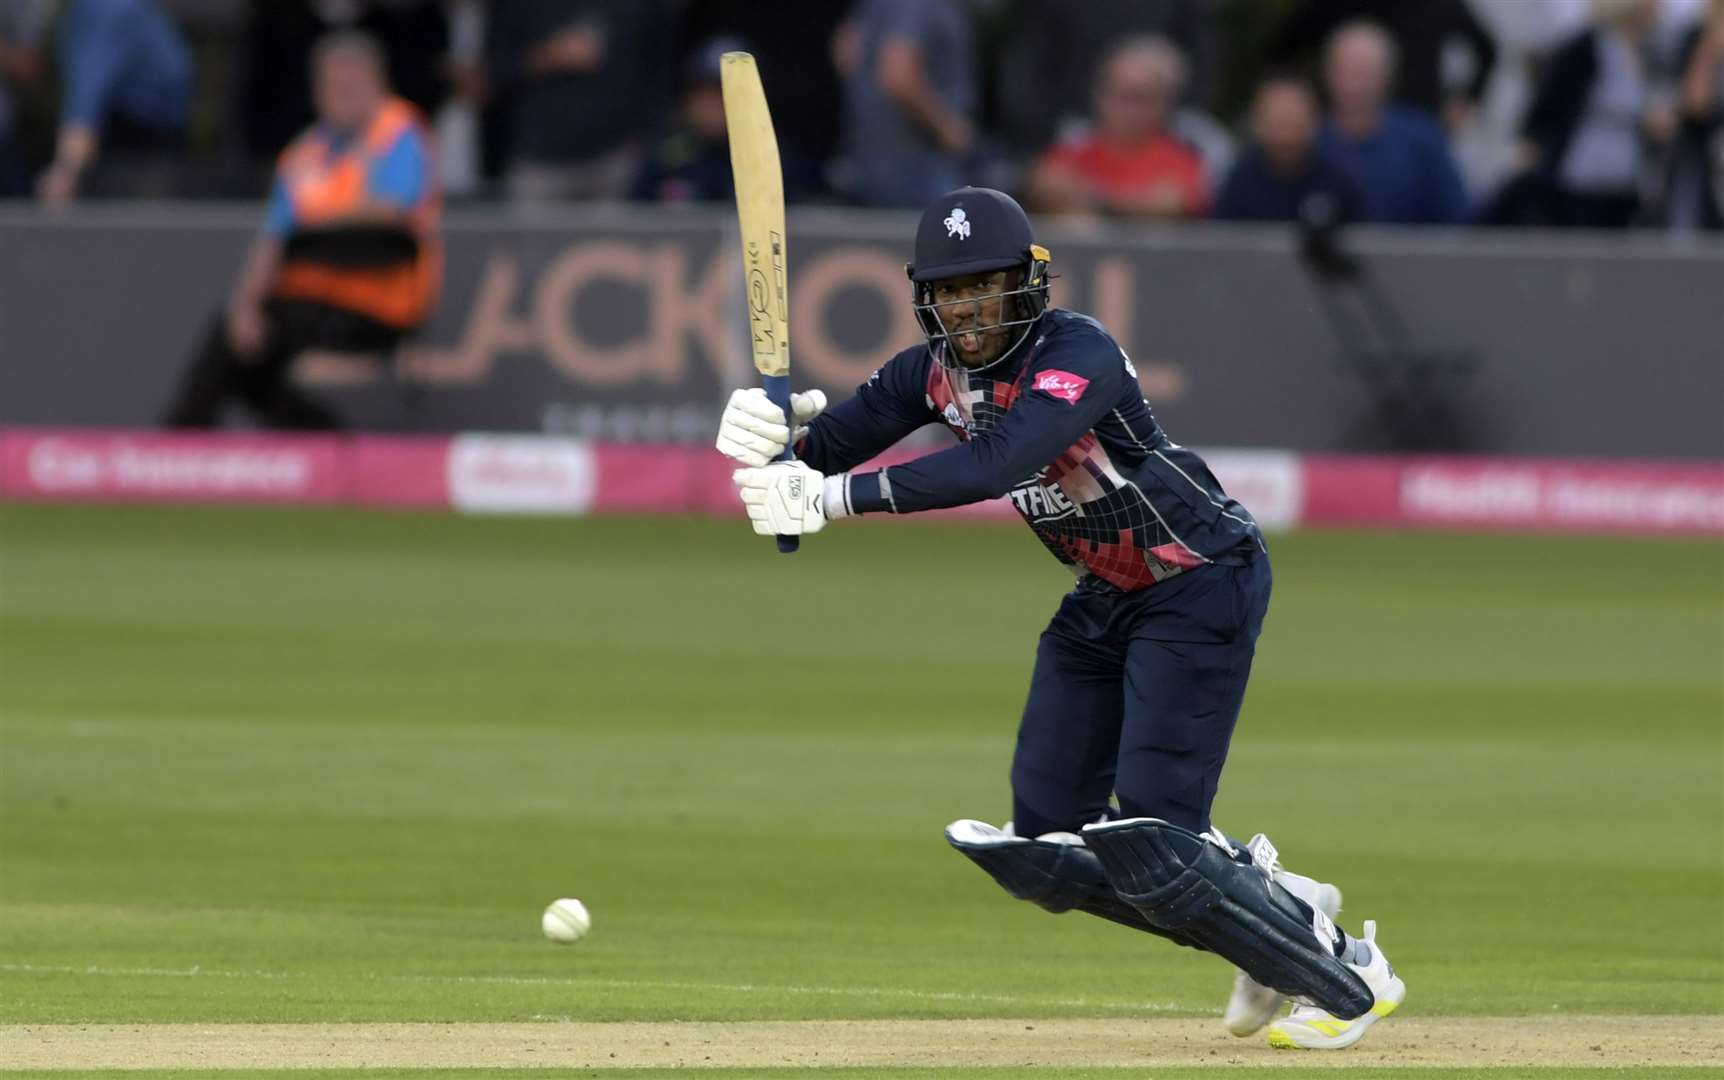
{"points": [[1186, 885], [1056, 875]]}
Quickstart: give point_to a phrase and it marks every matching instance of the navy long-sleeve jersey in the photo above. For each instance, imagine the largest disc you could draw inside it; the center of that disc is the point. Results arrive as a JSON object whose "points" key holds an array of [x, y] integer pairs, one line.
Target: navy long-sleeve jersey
{"points": [[1064, 430]]}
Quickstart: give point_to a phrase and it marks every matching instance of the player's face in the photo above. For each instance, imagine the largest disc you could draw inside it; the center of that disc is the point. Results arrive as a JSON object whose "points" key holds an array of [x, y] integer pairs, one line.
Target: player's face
{"points": [[971, 310], [1284, 119], [349, 90], [1358, 71], [1133, 102], [703, 110]]}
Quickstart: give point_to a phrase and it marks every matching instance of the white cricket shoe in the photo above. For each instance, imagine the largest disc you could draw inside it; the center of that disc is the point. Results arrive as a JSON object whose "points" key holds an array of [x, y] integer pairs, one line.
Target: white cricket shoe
{"points": [[1310, 1028], [1252, 1004]]}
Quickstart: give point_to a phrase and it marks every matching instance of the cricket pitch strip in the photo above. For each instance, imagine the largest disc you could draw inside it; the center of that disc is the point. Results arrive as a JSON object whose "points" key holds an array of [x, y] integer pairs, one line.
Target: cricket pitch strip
{"points": [[1401, 1041]]}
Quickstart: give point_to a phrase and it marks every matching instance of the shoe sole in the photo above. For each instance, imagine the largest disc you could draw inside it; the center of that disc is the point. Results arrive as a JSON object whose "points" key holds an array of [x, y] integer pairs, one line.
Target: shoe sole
{"points": [[1282, 1038]]}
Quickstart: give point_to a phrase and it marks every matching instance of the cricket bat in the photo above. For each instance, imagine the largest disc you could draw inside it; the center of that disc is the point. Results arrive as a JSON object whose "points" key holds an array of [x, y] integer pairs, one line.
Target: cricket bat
{"points": [[760, 208]]}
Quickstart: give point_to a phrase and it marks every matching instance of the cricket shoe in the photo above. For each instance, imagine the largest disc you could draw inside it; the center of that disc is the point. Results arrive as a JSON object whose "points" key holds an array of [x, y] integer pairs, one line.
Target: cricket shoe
{"points": [[1309, 1028], [1252, 1004]]}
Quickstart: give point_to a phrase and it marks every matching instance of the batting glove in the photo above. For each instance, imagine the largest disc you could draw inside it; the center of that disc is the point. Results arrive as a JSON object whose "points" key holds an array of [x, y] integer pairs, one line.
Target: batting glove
{"points": [[790, 499], [753, 430]]}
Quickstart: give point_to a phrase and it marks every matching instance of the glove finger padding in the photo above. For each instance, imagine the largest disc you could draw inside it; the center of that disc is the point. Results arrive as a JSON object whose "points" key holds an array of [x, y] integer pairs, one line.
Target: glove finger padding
{"points": [[751, 401], [747, 449], [752, 430], [742, 420], [808, 406]]}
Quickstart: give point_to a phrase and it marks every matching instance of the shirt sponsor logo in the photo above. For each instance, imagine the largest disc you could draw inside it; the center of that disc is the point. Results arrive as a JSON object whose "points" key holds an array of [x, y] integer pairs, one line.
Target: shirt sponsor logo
{"points": [[954, 418], [1062, 384], [1040, 501]]}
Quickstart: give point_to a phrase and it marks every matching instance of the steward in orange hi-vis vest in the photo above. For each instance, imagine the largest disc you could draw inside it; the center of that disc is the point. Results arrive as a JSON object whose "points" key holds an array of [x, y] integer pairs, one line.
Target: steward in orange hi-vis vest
{"points": [[348, 259], [348, 200]]}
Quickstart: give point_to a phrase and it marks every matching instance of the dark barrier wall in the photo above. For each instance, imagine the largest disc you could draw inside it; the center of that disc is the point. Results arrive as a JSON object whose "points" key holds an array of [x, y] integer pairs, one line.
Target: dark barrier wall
{"points": [[627, 325]]}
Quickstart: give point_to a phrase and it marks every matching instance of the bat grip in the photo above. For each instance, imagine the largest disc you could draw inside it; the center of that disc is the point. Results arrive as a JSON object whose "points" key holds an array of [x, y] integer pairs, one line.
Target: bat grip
{"points": [[778, 392]]}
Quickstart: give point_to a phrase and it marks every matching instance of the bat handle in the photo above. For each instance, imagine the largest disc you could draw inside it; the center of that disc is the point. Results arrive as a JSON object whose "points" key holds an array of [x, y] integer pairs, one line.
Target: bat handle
{"points": [[778, 392]]}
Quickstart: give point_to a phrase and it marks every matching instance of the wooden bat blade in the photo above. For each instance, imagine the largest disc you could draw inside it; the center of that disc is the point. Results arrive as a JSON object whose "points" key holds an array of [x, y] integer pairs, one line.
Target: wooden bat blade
{"points": [[759, 178], [760, 208]]}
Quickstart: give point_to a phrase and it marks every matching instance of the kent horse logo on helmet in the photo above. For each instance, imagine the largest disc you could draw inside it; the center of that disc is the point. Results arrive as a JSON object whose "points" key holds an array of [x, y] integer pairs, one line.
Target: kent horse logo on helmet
{"points": [[977, 231]]}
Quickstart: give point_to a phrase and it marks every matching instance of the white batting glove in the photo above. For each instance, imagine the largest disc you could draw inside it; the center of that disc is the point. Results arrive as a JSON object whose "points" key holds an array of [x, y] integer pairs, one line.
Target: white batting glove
{"points": [[753, 430], [789, 498]]}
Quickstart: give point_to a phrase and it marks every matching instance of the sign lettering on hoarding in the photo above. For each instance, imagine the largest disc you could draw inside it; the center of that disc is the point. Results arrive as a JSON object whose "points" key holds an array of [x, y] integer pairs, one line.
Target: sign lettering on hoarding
{"points": [[688, 321]]}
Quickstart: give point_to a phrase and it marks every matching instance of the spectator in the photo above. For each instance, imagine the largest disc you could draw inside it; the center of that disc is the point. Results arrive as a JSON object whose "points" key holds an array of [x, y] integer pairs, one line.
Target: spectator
{"points": [[1445, 55], [460, 124], [22, 26], [280, 36], [909, 97], [1046, 81], [1130, 165], [1486, 148], [1694, 188], [1287, 174], [126, 95], [1582, 141], [788, 38], [1397, 152], [692, 162], [578, 80], [348, 258]]}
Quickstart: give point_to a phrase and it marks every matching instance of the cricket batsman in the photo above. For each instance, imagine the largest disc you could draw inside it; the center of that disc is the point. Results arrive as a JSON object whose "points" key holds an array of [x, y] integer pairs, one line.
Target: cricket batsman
{"points": [[1140, 674]]}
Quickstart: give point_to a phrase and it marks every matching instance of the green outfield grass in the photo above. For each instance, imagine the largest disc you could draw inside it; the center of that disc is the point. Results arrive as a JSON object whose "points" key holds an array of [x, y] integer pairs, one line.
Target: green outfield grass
{"points": [[284, 766]]}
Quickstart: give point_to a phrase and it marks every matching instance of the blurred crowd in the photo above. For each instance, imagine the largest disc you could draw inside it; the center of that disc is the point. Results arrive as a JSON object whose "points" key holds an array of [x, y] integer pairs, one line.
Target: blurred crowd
{"points": [[1600, 113]]}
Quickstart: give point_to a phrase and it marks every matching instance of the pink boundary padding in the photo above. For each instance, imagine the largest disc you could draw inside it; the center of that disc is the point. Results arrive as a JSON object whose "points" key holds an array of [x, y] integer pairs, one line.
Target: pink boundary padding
{"points": [[403, 473], [293, 470], [1517, 494], [149, 466]]}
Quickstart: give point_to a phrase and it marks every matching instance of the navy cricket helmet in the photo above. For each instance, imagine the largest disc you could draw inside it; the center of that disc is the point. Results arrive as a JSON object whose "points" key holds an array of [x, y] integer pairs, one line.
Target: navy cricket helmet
{"points": [[976, 230]]}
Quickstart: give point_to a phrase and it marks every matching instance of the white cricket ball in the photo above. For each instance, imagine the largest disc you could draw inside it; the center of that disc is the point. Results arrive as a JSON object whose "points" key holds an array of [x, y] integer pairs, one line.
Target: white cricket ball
{"points": [[566, 920]]}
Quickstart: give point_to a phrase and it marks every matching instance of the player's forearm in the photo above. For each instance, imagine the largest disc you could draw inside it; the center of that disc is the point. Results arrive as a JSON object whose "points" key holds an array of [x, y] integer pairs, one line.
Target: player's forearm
{"points": [[1701, 77], [971, 472], [883, 411], [76, 147], [261, 264], [1036, 431], [902, 81], [832, 446]]}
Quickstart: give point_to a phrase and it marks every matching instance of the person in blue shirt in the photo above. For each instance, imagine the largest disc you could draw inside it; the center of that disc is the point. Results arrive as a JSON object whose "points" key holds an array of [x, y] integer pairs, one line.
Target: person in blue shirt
{"points": [[1286, 174], [1140, 675], [126, 98], [910, 95], [1399, 154]]}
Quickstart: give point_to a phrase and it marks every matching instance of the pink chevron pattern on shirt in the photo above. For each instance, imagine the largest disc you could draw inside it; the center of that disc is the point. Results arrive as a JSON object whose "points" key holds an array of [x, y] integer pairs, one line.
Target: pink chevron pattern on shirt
{"points": [[1079, 506]]}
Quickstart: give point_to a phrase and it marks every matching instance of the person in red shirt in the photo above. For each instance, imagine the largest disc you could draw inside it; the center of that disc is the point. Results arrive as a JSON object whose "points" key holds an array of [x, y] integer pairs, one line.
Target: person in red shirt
{"points": [[1129, 164]]}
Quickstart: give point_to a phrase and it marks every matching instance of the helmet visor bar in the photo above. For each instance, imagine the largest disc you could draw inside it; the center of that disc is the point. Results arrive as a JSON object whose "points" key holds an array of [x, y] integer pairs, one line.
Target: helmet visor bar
{"points": [[936, 317]]}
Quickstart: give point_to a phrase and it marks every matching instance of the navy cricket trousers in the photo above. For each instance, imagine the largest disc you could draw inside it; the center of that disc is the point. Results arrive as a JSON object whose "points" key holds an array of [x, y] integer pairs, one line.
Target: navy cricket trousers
{"points": [[1136, 694]]}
